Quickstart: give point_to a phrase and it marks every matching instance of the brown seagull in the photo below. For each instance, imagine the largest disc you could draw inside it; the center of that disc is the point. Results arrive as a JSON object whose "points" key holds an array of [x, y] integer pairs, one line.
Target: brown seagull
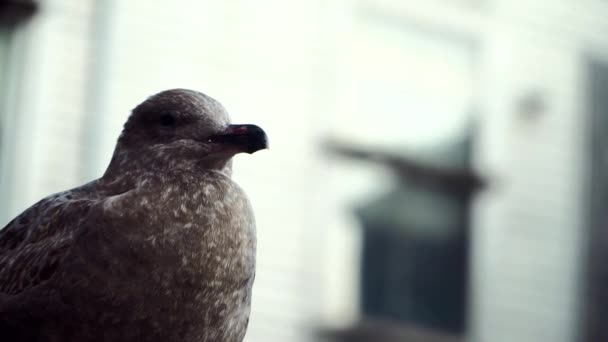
{"points": [[161, 248]]}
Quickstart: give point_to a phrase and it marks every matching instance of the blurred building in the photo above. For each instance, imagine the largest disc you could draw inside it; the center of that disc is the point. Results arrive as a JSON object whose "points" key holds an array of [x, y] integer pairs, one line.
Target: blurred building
{"points": [[403, 75]]}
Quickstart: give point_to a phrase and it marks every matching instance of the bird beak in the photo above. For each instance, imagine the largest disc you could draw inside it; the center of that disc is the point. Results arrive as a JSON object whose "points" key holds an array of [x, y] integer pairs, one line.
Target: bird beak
{"points": [[241, 138]]}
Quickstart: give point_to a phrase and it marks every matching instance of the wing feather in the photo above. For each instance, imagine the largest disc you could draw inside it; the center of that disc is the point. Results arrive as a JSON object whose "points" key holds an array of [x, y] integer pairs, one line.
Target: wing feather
{"points": [[34, 244]]}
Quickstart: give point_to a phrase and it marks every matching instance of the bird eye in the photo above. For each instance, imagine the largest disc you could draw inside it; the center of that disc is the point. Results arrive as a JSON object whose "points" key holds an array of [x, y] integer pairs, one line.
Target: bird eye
{"points": [[167, 120]]}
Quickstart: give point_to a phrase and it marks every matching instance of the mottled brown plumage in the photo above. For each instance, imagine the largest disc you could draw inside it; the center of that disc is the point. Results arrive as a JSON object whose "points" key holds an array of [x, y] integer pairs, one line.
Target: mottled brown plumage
{"points": [[161, 248]]}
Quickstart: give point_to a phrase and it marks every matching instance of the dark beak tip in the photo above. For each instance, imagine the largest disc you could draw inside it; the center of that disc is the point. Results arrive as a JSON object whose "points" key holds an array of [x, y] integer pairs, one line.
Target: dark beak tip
{"points": [[258, 144]]}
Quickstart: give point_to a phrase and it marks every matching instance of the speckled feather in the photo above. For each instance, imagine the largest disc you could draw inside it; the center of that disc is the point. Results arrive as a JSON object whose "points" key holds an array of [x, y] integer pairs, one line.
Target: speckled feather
{"points": [[161, 248]]}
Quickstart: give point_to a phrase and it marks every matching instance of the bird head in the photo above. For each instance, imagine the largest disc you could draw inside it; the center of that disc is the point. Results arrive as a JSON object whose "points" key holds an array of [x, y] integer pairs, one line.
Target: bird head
{"points": [[181, 124]]}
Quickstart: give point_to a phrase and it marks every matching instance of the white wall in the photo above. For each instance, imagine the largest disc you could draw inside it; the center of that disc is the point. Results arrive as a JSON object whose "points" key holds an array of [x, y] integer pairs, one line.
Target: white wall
{"points": [[530, 227], [49, 79]]}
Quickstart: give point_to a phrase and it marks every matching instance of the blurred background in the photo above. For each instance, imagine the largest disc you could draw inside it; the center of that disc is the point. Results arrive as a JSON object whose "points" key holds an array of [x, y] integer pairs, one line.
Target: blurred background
{"points": [[437, 168]]}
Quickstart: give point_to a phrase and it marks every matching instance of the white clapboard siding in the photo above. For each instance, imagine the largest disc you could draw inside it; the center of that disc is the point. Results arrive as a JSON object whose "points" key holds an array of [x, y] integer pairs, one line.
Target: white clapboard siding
{"points": [[63, 93], [530, 231], [49, 103]]}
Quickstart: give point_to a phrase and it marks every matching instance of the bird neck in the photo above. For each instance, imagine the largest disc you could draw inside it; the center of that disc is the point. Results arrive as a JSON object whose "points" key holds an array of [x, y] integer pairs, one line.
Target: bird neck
{"points": [[133, 166]]}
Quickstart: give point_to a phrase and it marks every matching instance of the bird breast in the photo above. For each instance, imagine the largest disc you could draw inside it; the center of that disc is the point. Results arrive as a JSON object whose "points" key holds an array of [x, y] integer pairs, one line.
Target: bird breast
{"points": [[204, 224]]}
